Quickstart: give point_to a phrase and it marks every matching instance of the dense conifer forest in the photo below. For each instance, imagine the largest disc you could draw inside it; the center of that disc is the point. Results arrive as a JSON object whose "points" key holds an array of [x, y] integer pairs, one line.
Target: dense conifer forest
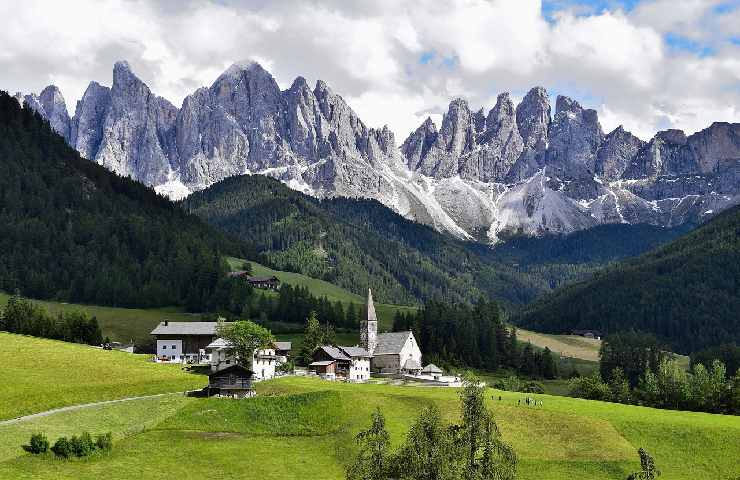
{"points": [[358, 244], [687, 292], [72, 231]]}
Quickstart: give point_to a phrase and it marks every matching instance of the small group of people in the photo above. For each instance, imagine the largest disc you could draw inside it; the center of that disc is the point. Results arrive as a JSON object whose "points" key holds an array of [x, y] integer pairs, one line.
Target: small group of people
{"points": [[530, 401]]}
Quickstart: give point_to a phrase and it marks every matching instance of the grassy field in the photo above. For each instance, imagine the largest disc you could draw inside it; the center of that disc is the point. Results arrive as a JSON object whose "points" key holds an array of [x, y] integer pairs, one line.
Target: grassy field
{"points": [[120, 324], [38, 374], [567, 345], [300, 428], [320, 288]]}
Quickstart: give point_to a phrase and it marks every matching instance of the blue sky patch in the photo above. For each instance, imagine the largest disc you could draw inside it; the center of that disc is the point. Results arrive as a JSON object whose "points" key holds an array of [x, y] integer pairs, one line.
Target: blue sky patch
{"points": [[679, 42]]}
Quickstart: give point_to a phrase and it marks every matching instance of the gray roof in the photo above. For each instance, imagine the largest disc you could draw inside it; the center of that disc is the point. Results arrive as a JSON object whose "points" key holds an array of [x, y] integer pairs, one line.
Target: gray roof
{"points": [[218, 343], [431, 368], [391, 343], [283, 345], [412, 364], [185, 328], [334, 352], [355, 352]]}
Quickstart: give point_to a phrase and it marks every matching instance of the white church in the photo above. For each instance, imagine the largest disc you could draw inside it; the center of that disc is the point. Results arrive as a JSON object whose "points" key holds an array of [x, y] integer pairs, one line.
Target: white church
{"points": [[392, 352]]}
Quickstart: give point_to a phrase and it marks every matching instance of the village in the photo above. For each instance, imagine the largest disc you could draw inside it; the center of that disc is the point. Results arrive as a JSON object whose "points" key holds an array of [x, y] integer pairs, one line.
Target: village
{"points": [[389, 356]]}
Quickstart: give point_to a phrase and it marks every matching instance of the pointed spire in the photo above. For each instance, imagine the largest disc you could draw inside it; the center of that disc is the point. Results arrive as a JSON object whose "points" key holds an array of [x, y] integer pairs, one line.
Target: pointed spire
{"points": [[371, 316]]}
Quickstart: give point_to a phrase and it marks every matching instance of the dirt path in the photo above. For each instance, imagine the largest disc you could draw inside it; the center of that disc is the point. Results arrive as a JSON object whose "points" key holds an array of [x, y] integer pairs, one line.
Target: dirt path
{"points": [[71, 408]]}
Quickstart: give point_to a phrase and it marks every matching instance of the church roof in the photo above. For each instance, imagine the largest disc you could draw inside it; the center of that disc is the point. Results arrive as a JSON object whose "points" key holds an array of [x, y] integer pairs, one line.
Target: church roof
{"points": [[391, 343]]}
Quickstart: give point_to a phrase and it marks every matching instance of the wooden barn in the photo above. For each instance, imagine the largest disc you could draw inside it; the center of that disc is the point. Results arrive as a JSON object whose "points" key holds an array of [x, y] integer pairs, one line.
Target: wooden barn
{"points": [[234, 381]]}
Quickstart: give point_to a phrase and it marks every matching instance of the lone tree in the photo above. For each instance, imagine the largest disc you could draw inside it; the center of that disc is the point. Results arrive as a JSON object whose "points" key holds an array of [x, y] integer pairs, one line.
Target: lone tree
{"points": [[372, 461], [244, 338], [486, 453], [648, 469], [313, 337]]}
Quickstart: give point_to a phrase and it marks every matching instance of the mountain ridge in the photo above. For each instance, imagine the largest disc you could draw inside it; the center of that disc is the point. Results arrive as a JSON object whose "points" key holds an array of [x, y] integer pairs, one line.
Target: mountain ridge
{"points": [[514, 171], [687, 292]]}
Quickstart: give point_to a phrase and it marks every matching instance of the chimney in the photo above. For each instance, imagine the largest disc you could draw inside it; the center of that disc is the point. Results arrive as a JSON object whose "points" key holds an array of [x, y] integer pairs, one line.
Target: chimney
{"points": [[166, 322]]}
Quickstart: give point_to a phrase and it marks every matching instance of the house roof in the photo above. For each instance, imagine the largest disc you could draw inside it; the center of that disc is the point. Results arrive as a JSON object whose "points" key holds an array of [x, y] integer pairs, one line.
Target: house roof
{"points": [[322, 363], [391, 343], [355, 352], [185, 328], [236, 368], [238, 273], [283, 345], [218, 343], [264, 279], [334, 352], [431, 368], [412, 364]]}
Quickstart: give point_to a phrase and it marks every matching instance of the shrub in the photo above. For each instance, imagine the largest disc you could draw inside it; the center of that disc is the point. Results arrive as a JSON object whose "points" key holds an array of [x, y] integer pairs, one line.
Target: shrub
{"points": [[104, 442], [62, 448], [83, 445], [38, 444], [532, 387]]}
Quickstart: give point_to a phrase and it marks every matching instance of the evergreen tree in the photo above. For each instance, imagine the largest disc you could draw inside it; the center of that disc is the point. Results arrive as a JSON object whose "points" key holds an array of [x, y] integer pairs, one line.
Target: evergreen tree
{"points": [[313, 336], [372, 460]]}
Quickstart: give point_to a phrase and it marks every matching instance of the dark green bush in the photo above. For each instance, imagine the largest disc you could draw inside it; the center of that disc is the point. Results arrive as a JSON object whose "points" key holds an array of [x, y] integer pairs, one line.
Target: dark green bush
{"points": [[38, 444], [104, 442], [62, 448], [83, 445]]}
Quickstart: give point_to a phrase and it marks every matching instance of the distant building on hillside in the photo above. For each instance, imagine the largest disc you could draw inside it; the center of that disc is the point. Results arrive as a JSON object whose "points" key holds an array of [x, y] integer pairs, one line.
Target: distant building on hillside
{"points": [[588, 333], [270, 282]]}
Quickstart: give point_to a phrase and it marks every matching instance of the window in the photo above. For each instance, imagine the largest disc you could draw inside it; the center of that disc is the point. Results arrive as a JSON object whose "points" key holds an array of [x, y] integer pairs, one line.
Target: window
{"points": [[164, 347], [174, 347]]}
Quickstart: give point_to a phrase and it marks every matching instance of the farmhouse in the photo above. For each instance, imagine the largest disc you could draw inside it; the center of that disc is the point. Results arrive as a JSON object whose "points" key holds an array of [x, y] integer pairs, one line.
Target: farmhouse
{"points": [[234, 381], [183, 341], [198, 342], [270, 282], [350, 363], [263, 362]]}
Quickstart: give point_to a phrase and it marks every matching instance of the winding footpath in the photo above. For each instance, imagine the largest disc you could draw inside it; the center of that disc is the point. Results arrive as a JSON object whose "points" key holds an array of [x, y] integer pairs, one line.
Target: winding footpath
{"points": [[81, 406]]}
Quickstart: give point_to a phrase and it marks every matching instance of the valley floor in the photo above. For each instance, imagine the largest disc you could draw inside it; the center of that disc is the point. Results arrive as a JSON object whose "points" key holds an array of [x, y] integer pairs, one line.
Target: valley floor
{"points": [[300, 428]]}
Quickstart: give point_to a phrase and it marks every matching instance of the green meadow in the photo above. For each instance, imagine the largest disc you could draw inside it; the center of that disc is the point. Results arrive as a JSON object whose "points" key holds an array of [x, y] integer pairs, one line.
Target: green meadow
{"points": [[38, 374], [301, 428]]}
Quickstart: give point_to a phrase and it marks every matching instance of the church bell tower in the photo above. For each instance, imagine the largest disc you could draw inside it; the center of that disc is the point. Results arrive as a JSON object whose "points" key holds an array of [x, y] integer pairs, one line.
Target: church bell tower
{"points": [[369, 326]]}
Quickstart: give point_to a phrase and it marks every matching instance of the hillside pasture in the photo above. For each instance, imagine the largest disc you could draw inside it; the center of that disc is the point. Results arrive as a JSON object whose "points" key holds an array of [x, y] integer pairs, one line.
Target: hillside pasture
{"points": [[39, 374], [301, 428]]}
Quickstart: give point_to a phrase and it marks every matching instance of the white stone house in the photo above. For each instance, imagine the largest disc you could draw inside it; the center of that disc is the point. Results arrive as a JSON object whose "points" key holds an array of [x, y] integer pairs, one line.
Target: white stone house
{"points": [[180, 342], [263, 362]]}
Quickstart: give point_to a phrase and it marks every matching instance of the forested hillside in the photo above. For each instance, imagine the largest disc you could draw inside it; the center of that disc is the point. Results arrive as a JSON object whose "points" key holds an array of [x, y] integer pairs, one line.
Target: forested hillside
{"points": [[686, 292], [359, 243], [73, 231]]}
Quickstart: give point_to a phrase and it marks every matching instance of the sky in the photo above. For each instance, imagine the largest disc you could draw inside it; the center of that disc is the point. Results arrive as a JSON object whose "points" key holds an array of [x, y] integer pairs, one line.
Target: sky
{"points": [[647, 65]]}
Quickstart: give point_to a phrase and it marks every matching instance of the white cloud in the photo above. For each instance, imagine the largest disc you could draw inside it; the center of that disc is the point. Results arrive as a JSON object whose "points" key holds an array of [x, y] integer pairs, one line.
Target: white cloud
{"points": [[370, 52]]}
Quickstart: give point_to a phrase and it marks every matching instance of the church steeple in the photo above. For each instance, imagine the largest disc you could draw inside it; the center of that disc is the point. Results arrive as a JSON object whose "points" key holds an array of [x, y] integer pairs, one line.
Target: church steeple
{"points": [[369, 325]]}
